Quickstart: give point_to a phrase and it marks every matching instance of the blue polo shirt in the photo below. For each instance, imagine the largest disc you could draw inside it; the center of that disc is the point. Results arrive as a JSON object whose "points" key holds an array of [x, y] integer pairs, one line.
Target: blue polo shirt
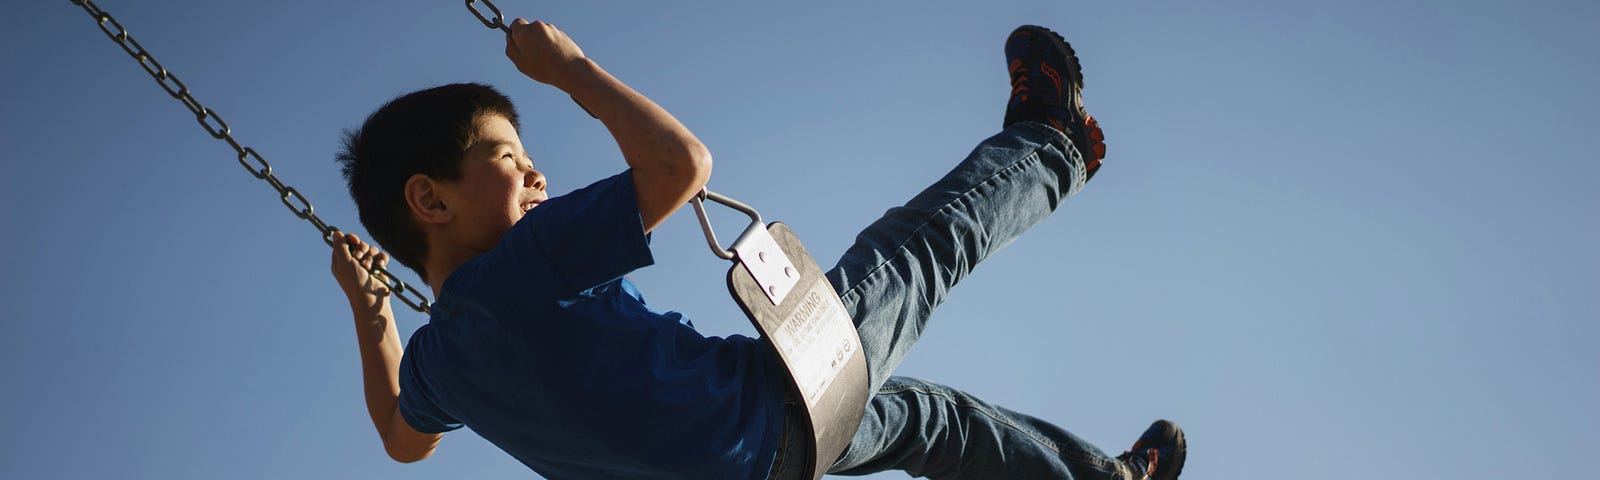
{"points": [[545, 349]]}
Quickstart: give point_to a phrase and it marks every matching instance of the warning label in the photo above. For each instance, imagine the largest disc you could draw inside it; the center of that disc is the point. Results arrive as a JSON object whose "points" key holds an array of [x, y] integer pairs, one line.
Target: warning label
{"points": [[817, 338]]}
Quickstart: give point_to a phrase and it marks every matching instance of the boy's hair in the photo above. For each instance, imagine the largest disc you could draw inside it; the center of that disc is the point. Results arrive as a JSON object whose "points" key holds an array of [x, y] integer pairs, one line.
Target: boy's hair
{"points": [[426, 132]]}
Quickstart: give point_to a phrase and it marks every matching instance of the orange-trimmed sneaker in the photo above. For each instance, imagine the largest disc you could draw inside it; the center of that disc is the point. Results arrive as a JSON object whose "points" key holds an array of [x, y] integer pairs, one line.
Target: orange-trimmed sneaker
{"points": [[1047, 87], [1158, 454]]}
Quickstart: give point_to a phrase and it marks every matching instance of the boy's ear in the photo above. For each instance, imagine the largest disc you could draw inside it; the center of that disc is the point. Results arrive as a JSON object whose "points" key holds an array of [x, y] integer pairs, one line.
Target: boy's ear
{"points": [[425, 200]]}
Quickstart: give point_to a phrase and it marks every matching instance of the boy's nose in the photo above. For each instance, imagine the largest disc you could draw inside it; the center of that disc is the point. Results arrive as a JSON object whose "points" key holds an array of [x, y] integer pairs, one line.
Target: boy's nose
{"points": [[534, 180]]}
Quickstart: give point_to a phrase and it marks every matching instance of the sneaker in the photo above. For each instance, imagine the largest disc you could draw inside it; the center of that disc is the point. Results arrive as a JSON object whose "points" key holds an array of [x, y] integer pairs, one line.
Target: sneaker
{"points": [[1047, 87], [1158, 454]]}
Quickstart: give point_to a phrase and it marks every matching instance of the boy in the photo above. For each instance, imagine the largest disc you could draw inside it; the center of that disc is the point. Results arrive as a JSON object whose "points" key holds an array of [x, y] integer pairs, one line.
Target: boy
{"points": [[539, 343]]}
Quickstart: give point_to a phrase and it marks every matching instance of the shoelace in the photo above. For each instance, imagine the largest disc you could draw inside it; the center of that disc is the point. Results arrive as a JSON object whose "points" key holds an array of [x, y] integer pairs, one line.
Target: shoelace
{"points": [[1150, 465], [1019, 76]]}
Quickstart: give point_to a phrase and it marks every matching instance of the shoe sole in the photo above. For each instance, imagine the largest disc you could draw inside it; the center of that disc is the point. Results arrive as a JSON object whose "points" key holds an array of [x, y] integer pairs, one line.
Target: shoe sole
{"points": [[1179, 452]]}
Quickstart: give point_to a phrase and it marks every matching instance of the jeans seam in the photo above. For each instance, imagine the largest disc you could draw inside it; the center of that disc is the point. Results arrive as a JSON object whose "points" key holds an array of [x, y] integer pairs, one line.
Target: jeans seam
{"points": [[1097, 463], [1032, 156]]}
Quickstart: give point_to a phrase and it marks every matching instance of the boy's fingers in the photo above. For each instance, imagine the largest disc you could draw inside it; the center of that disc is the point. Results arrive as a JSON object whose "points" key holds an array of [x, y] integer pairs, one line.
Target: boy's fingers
{"points": [[356, 245], [341, 247], [517, 26], [352, 252], [355, 251]]}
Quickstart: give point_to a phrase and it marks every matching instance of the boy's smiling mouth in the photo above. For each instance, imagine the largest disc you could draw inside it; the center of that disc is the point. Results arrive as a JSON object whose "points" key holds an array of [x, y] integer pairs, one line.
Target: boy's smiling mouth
{"points": [[528, 205]]}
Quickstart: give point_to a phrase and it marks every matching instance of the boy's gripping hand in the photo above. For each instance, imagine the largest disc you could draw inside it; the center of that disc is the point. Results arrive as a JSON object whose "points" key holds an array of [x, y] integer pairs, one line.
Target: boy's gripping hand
{"points": [[380, 346], [669, 163], [542, 52], [351, 259]]}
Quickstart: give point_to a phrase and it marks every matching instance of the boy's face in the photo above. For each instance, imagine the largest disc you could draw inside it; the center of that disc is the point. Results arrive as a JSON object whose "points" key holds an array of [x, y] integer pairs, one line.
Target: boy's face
{"points": [[498, 185]]}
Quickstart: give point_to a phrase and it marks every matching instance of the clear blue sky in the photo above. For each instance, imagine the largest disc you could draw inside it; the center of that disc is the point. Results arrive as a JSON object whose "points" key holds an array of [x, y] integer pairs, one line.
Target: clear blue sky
{"points": [[1331, 240]]}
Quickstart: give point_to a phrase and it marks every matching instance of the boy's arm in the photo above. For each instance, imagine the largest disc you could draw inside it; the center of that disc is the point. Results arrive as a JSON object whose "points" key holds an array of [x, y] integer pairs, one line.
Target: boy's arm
{"points": [[380, 348], [670, 165]]}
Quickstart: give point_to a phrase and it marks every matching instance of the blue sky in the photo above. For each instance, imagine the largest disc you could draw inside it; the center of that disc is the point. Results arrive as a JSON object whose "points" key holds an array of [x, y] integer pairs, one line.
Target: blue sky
{"points": [[1331, 239]]}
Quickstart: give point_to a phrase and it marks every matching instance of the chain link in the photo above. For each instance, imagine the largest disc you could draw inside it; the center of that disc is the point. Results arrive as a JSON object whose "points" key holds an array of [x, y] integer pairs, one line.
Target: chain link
{"points": [[259, 168], [499, 20]]}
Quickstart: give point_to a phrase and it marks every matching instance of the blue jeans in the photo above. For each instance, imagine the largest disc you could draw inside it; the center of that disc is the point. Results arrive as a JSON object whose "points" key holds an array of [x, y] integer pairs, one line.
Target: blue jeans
{"points": [[902, 266]]}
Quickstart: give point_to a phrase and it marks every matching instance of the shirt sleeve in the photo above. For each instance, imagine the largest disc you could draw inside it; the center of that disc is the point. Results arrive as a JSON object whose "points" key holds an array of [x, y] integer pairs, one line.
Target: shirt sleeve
{"points": [[415, 406], [590, 236]]}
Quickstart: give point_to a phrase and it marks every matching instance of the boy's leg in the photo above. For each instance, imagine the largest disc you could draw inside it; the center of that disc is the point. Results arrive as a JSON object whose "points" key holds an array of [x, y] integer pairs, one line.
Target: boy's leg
{"points": [[904, 264], [930, 430]]}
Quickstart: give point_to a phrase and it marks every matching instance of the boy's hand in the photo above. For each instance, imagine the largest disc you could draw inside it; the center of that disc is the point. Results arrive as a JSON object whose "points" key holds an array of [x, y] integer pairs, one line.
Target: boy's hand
{"points": [[351, 258], [541, 51]]}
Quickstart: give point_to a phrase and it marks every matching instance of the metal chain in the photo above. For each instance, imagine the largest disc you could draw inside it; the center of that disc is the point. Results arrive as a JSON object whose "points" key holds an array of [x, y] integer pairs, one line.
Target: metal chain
{"points": [[499, 20], [252, 161]]}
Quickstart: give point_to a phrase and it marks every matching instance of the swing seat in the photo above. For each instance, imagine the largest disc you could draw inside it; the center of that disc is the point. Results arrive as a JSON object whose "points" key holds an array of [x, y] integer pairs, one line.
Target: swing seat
{"points": [[790, 301], [812, 334]]}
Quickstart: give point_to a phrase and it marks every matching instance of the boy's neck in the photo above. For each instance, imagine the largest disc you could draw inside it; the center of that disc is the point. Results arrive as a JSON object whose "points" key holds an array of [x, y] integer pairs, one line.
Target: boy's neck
{"points": [[443, 260]]}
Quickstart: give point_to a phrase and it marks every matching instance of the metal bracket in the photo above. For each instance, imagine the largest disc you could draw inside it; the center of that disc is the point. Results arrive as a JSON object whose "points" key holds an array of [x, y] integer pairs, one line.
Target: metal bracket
{"points": [[755, 248]]}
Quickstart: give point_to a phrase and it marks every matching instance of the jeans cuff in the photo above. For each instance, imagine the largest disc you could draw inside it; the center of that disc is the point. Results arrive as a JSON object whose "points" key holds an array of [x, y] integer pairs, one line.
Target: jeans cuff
{"points": [[1046, 135]]}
